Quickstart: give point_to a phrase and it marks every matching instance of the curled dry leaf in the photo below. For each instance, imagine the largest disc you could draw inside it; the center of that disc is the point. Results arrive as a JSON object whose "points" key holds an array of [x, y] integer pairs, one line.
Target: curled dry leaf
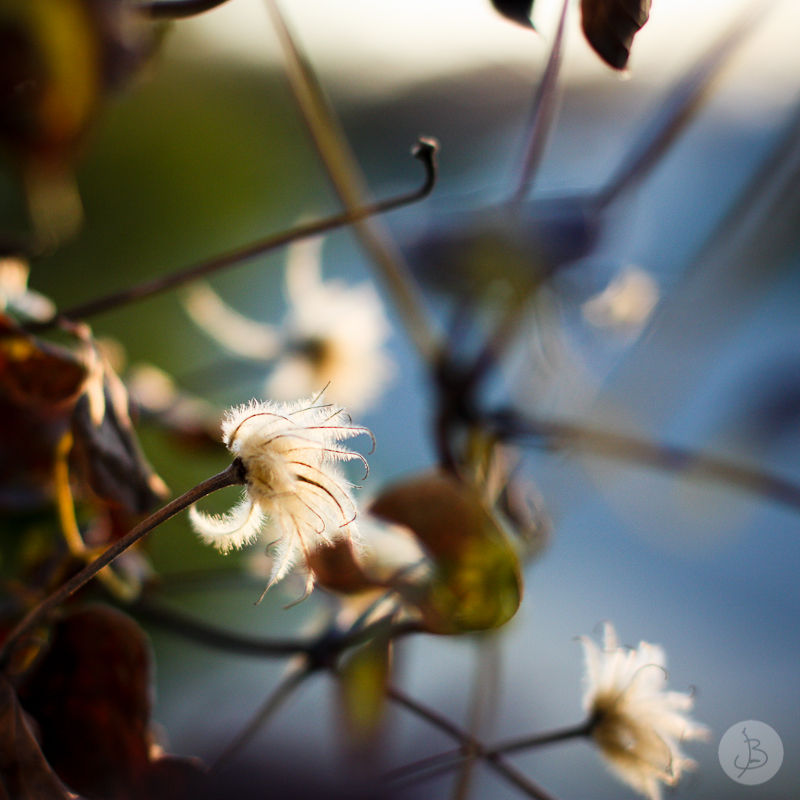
{"points": [[106, 449], [39, 387], [610, 25], [475, 583], [91, 697], [47, 391]]}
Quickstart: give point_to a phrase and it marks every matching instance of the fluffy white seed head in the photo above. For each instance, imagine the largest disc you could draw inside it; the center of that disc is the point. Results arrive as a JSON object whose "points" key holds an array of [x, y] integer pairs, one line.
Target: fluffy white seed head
{"points": [[294, 491], [638, 725]]}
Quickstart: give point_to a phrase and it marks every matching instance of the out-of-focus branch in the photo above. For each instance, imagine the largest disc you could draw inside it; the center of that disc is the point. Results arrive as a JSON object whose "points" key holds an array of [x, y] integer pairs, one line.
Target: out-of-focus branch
{"points": [[424, 150], [282, 692], [543, 114], [558, 436], [345, 177], [469, 747], [321, 651]]}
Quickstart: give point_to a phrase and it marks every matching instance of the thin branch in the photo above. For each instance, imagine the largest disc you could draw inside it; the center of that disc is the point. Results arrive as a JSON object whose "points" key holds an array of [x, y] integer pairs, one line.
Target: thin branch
{"points": [[281, 693], [424, 151], [448, 760], [539, 740], [178, 9], [231, 476], [624, 447], [517, 778], [438, 764], [321, 652], [469, 746], [347, 181], [432, 716]]}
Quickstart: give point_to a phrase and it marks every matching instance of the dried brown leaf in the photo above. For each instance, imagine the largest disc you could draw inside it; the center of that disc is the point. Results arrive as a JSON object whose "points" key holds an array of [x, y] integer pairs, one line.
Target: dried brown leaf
{"points": [[106, 449], [39, 387]]}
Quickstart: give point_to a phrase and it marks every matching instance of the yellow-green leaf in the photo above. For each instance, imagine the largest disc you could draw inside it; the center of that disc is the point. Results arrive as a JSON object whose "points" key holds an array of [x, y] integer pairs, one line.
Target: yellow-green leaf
{"points": [[363, 679], [475, 583]]}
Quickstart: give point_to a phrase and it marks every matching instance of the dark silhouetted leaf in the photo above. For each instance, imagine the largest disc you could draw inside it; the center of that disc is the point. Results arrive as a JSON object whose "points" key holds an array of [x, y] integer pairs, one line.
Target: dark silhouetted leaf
{"points": [[516, 10], [90, 695], [24, 772], [610, 25], [476, 583]]}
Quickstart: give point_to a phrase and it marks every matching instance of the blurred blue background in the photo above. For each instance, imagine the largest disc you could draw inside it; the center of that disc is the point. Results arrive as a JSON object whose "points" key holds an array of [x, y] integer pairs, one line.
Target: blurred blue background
{"points": [[209, 154]]}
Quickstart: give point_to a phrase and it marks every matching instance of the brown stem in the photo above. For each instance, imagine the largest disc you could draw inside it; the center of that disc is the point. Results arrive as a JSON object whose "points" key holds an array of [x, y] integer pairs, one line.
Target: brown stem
{"points": [[424, 150], [228, 477]]}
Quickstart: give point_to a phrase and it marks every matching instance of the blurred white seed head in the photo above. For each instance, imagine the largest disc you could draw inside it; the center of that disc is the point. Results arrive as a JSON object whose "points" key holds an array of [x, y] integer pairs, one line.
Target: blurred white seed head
{"points": [[294, 491], [15, 296], [638, 726], [333, 333], [626, 304]]}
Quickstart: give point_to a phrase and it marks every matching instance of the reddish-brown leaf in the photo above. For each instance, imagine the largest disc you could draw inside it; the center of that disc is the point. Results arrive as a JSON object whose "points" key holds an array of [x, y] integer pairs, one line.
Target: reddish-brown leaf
{"points": [[24, 771], [90, 696], [610, 25], [335, 568]]}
